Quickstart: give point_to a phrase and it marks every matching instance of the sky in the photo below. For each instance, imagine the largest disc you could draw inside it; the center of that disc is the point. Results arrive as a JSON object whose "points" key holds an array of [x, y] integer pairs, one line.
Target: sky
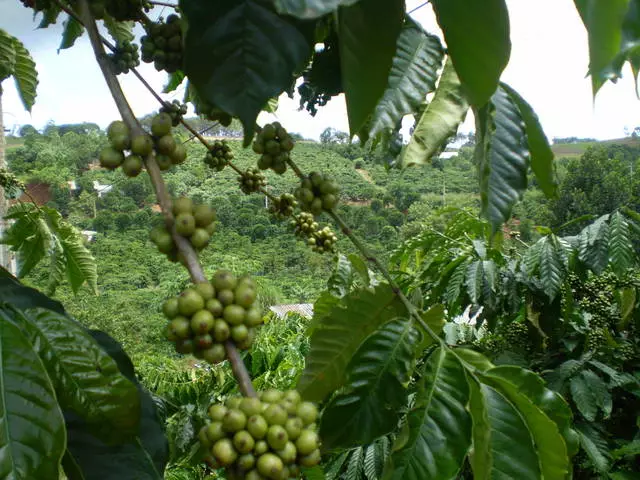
{"points": [[548, 67]]}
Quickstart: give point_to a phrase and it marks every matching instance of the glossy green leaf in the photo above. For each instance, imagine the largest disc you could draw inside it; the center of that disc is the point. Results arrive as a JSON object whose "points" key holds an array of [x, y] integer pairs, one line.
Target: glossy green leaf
{"points": [[550, 402], [541, 154], [32, 438], [502, 443], [86, 379], [439, 424], [477, 37], [439, 121], [473, 359], [550, 447], [501, 156], [368, 32], [375, 392], [414, 73], [309, 9], [339, 334], [621, 253], [72, 31], [251, 55], [603, 20]]}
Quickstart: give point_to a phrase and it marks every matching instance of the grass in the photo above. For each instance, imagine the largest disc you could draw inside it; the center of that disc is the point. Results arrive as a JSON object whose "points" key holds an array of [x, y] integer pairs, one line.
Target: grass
{"points": [[14, 142]]}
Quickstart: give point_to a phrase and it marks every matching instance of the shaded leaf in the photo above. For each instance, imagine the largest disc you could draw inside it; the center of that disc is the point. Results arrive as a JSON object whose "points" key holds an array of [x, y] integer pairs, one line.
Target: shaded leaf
{"points": [[174, 81], [477, 37], [414, 73], [603, 20], [119, 31], [541, 154], [595, 446], [439, 424], [367, 33], [375, 391], [72, 31], [339, 334], [551, 270], [501, 156], [621, 254], [7, 55], [252, 54], [439, 121], [33, 433], [86, 379], [593, 243], [143, 458], [22, 297]]}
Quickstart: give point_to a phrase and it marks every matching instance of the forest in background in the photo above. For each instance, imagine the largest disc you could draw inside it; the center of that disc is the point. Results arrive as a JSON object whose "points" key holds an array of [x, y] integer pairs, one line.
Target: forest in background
{"points": [[395, 211]]}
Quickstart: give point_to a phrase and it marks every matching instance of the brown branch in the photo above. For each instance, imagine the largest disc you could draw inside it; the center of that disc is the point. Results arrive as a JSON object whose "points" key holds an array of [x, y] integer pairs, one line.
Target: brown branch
{"points": [[164, 199]]}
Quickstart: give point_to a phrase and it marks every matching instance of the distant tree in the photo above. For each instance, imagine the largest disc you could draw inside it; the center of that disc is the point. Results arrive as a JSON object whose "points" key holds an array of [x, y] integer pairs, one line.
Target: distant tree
{"points": [[332, 136], [28, 129]]}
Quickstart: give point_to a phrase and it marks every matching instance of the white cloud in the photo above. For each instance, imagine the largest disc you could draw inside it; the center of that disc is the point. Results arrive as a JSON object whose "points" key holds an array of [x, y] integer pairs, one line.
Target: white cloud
{"points": [[548, 66]]}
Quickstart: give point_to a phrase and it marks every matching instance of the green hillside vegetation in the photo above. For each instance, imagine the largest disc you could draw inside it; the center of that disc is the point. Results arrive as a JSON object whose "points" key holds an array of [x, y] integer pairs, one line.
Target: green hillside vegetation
{"points": [[381, 205]]}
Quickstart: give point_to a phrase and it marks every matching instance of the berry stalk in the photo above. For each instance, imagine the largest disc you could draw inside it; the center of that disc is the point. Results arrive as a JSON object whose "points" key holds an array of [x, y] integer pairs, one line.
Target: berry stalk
{"points": [[164, 199]]}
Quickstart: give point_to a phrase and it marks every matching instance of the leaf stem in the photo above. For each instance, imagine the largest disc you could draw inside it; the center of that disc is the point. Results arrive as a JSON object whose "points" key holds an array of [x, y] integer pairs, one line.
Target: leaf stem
{"points": [[184, 247], [411, 308]]}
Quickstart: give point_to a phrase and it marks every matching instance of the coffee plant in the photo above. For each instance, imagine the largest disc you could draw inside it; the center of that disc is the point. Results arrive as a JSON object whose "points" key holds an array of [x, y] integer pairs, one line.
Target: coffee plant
{"points": [[399, 395]]}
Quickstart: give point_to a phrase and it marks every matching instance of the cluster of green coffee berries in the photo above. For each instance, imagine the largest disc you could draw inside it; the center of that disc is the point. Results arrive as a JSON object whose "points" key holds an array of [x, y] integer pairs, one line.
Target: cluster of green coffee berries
{"points": [[10, 183], [219, 155], [194, 222], [320, 240], [269, 437], [283, 206], [124, 57], [273, 143], [168, 151], [323, 240], [316, 193], [120, 141], [162, 44], [176, 110], [210, 112], [252, 180], [208, 314]]}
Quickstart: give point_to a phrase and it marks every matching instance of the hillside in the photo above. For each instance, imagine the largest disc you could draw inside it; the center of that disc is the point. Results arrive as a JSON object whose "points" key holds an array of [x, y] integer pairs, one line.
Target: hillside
{"points": [[574, 150], [380, 205]]}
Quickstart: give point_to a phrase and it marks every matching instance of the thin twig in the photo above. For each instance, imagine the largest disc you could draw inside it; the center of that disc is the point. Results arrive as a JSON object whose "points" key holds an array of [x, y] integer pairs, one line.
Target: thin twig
{"points": [[184, 247], [418, 7]]}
